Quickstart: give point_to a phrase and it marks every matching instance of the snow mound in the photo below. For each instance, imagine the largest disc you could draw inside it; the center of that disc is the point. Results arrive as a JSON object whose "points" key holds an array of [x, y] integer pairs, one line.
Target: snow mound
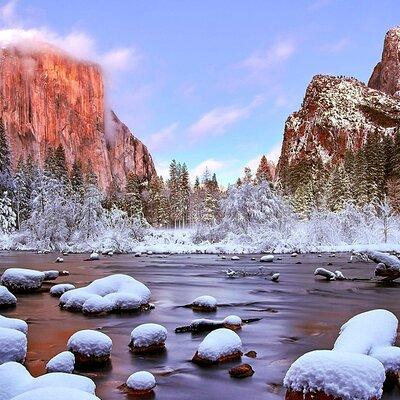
{"points": [[343, 375], [15, 380], [123, 292], [232, 320], [55, 393], [60, 289], [267, 258], [90, 346], [218, 346], [148, 336], [235, 258], [51, 275], [63, 362], [205, 303], [59, 260], [22, 280], [141, 381], [325, 273], [14, 323], [94, 256], [13, 345], [7, 299], [275, 277]]}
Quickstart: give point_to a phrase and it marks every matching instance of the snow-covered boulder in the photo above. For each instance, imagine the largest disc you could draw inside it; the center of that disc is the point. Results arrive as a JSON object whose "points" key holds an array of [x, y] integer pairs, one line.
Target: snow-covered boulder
{"points": [[14, 323], [235, 258], [138, 254], [232, 322], [267, 258], [51, 275], [294, 255], [22, 279], [90, 347], [62, 362], [13, 345], [55, 393], [204, 303], [275, 277], [7, 299], [15, 380], [94, 256], [148, 338], [119, 292], [59, 260], [219, 346], [340, 375], [141, 382], [329, 275], [60, 289]]}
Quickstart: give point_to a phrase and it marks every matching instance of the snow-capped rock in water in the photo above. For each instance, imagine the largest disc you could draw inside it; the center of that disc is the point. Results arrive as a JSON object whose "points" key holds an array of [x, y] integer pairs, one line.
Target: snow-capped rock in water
{"points": [[141, 382], [267, 258], [59, 260], [294, 255], [219, 346], [62, 362], [7, 299], [204, 303], [15, 380], [13, 345], [275, 277], [325, 273], [14, 323], [148, 338], [22, 279], [51, 275], [235, 258], [94, 256], [119, 292], [232, 322], [56, 393], [60, 289], [138, 254], [339, 275], [341, 375], [90, 347]]}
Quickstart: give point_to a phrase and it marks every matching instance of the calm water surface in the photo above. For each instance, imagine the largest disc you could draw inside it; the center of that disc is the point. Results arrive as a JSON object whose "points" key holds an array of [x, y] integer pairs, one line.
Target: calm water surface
{"points": [[299, 314]]}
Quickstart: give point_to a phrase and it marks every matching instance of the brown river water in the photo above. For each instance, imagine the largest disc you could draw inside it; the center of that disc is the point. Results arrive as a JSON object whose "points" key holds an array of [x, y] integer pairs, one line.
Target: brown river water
{"points": [[299, 314]]}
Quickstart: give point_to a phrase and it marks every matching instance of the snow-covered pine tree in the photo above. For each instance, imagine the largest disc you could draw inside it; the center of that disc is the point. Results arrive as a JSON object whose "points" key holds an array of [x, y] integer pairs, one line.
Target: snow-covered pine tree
{"points": [[263, 171], [77, 178], [133, 204], [7, 215], [6, 182]]}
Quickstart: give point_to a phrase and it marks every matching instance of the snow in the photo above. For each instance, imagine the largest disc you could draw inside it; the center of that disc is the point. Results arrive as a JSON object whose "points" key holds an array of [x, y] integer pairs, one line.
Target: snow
{"points": [[119, 292], [22, 280], [205, 302], [55, 393], [61, 288], [90, 343], [267, 258], [15, 380], [325, 273], [63, 362], [51, 275], [14, 323], [275, 277], [148, 334], [232, 320], [94, 256], [6, 297], [141, 381], [59, 260], [343, 375], [13, 345], [219, 343], [235, 258]]}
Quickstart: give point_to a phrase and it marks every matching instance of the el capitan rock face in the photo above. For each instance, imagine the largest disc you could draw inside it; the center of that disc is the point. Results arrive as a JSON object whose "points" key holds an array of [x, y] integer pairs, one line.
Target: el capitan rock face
{"points": [[48, 98], [386, 74]]}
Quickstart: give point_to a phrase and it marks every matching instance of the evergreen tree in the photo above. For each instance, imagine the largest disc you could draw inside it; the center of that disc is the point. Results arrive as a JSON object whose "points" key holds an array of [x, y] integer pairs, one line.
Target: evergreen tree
{"points": [[6, 183], [247, 176], [7, 215], [77, 179], [263, 171], [133, 200]]}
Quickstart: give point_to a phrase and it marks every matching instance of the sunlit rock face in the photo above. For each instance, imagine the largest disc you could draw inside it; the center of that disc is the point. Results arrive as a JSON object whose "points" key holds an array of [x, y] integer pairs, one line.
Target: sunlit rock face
{"points": [[386, 74], [48, 98]]}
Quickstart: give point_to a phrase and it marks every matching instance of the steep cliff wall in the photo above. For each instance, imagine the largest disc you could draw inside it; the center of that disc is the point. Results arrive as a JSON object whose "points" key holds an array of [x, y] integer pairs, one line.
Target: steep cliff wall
{"points": [[48, 98]]}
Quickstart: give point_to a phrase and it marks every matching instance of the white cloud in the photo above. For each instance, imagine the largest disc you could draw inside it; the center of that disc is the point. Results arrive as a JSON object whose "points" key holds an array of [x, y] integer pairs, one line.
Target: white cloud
{"points": [[211, 164], [274, 56], [337, 46], [8, 15], [162, 137], [254, 163], [218, 120]]}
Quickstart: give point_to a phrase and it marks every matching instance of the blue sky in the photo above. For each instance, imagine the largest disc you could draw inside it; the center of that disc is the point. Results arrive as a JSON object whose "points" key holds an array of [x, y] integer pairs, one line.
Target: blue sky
{"points": [[212, 82]]}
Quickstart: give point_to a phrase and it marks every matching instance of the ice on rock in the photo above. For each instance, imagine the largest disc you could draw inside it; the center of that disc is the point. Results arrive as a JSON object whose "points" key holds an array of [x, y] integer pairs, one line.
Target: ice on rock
{"points": [[342, 375], [94, 256], [148, 338], [63, 362], [60, 289], [219, 346], [14, 323], [7, 299], [90, 347], [204, 303], [16, 380], [120, 293], [22, 279], [267, 258], [56, 393], [13, 345], [141, 382], [51, 275]]}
